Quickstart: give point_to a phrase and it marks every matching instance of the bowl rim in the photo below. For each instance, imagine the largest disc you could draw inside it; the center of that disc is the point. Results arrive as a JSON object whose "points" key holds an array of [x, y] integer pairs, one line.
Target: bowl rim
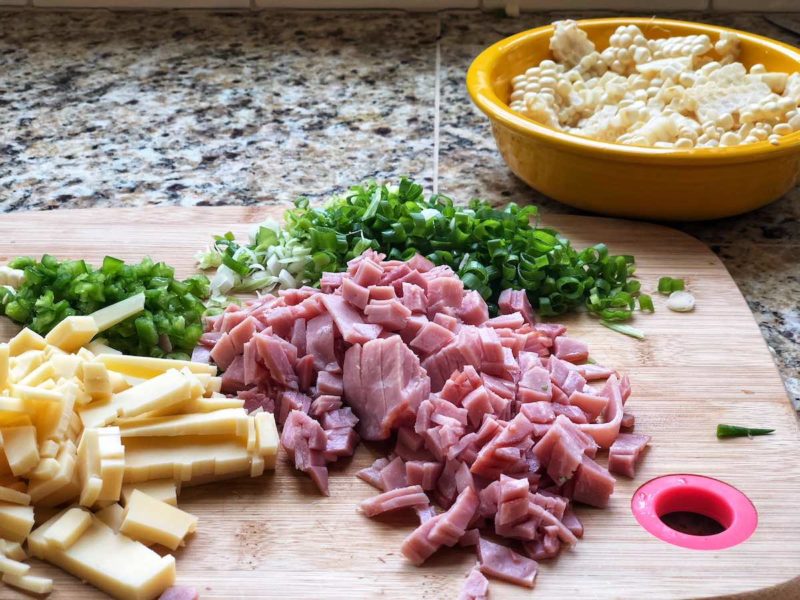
{"points": [[481, 91]]}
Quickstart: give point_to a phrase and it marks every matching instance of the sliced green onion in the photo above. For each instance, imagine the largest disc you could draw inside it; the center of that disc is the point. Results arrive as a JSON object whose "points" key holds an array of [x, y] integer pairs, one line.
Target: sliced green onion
{"points": [[624, 329], [729, 431]]}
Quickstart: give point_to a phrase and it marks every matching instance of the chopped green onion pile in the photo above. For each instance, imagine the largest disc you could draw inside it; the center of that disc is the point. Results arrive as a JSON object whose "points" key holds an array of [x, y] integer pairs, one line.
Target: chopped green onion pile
{"points": [[491, 249], [728, 431], [667, 285], [53, 290]]}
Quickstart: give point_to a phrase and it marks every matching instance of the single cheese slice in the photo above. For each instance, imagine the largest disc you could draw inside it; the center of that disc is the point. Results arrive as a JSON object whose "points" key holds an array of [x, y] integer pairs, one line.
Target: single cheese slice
{"points": [[164, 390], [111, 515], [114, 563], [145, 367], [21, 448], [164, 490], [13, 567], [68, 528], [229, 421], [98, 346], [96, 382], [13, 496], [29, 583], [267, 438], [26, 340], [4, 366], [72, 333], [109, 316], [148, 519], [16, 521]]}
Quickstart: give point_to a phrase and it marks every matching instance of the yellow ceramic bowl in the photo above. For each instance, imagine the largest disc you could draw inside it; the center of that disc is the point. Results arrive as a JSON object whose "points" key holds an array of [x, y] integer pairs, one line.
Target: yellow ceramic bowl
{"points": [[631, 181]]}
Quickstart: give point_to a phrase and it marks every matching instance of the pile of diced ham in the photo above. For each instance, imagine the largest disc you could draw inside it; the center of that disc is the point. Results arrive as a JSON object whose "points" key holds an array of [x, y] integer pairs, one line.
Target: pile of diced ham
{"points": [[496, 422]]}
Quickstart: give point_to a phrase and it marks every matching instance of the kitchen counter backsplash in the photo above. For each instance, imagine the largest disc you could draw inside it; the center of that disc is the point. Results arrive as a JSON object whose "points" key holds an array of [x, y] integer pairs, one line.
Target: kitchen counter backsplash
{"points": [[102, 108]]}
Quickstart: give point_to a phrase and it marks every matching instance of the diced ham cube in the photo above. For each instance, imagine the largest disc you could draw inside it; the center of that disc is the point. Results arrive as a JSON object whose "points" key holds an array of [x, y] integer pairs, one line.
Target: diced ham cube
{"points": [[355, 294], [570, 349], [511, 301], [503, 563], [625, 452]]}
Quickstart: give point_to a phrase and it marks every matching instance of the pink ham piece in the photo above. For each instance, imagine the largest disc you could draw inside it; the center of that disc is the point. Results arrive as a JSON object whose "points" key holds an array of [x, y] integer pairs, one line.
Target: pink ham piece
{"points": [[305, 441], [346, 318], [476, 587], [625, 452], [605, 433], [503, 563], [431, 338], [511, 301], [179, 592], [372, 474], [405, 497], [384, 384], [355, 294], [474, 310], [571, 350]]}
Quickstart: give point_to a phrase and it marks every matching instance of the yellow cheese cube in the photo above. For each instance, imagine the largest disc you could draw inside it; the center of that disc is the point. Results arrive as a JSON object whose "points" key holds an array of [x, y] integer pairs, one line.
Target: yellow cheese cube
{"points": [[12, 550], [111, 515], [20, 366], [48, 449], [99, 414], [116, 564], [166, 389], [66, 365], [66, 530], [46, 469], [109, 316], [101, 465], [98, 346], [119, 382], [145, 367], [150, 520], [21, 448], [13, 567], [72, 333], [96, 381], [40, 489], [267, 438], [40, 374], [26, 340], [16, 521], [161, 489], [13, 496], [29, 583], [4, 367]]}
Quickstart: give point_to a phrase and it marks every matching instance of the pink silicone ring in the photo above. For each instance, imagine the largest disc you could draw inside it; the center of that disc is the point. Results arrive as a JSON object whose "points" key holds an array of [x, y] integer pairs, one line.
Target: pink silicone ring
{"points": [[695, 493]]}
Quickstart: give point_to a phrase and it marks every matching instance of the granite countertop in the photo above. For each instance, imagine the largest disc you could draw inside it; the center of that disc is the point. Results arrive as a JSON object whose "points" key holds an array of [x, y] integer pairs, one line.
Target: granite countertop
{"points": [[192, 108]]}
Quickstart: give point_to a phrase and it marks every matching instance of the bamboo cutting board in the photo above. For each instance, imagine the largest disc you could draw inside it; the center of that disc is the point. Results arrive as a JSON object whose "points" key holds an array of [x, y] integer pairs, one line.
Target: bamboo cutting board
{"points": [[275, 537]]}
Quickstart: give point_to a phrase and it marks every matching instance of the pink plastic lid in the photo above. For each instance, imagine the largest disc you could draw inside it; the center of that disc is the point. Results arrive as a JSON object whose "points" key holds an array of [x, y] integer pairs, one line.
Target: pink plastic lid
{"points": [[695, 494]]}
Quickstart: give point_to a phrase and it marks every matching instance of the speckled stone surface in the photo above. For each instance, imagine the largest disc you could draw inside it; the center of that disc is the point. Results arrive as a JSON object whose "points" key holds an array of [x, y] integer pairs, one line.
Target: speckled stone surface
{"points": [[133, 109]]}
